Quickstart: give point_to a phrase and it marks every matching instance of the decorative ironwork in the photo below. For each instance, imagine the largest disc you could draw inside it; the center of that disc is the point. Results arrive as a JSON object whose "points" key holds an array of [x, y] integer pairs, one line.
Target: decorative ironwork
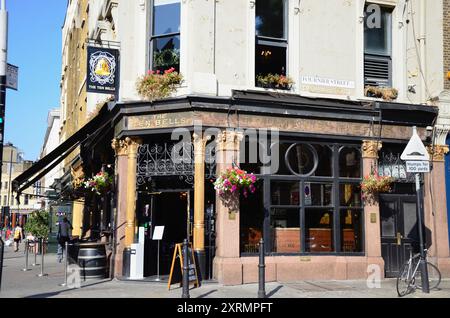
{"points": [[171, 159], [210, 160], [390, 165]]}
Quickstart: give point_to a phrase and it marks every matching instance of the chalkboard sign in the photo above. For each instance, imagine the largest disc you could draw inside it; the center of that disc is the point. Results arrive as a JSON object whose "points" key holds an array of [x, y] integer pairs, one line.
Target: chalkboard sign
{"points": [[176, 276]]}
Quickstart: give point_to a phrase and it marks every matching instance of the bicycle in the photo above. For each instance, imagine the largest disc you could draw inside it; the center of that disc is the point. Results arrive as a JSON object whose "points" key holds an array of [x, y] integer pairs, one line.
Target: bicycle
{"points": [[410, 278]]}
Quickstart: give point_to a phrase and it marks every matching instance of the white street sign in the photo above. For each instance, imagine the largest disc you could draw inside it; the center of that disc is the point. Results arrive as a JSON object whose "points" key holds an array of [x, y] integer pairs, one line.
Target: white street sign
{"points": [[12, 77], [415, 149], [158, 233], [417, 166]]}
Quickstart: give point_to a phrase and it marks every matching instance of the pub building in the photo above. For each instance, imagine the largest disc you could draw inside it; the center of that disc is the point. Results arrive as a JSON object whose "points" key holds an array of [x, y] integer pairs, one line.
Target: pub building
{"points": [[322, 135], [308, 207]]}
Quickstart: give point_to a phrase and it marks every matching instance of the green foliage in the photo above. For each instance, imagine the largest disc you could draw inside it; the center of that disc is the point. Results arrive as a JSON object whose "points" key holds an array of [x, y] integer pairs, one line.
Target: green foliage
{"points": [[274, 81], [157, 85], [38, 224]]}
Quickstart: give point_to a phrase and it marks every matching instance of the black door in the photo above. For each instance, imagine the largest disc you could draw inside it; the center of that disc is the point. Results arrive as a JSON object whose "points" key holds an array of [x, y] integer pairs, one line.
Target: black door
{"points": [[398, 230]]}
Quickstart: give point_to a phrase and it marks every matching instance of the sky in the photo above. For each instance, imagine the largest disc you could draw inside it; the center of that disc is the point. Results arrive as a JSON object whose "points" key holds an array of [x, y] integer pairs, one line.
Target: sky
{"points": [[34, 45]]}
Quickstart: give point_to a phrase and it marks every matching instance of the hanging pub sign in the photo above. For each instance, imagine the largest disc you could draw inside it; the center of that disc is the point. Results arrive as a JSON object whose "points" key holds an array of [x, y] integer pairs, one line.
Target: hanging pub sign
{"points": [[103, 70]]}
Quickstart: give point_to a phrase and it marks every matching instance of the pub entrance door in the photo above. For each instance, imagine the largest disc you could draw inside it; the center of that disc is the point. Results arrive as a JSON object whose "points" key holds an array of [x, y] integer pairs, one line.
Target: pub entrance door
{"points": [[168, 209], [399, 231]]}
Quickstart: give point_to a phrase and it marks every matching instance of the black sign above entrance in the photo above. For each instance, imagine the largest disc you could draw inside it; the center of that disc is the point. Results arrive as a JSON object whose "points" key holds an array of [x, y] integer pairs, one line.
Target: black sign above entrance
{"points": [[102, 70]]}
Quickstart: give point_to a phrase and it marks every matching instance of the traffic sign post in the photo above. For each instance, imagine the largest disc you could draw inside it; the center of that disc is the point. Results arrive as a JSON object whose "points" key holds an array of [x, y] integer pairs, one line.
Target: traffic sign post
{"points": [[418, 161]]}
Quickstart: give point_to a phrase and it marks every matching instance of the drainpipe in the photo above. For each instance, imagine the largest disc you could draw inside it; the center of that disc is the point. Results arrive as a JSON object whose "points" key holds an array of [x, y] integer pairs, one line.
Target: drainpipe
{"points": [[422, 39]]}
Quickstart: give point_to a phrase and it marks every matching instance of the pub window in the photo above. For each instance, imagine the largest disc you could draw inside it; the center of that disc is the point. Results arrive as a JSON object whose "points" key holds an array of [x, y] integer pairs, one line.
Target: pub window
{"points": [[251, 221], [26, 199], [377, 46], [349, 162], [319, 230], [285, 225], [271, 37], [165, 36], [311, 205]]}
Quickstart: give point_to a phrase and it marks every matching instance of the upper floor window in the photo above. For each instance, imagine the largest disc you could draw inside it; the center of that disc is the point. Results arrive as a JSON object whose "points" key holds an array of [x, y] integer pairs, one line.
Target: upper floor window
{"points": [[271, 37], [26, 201], [165, 36], [377, 46]]}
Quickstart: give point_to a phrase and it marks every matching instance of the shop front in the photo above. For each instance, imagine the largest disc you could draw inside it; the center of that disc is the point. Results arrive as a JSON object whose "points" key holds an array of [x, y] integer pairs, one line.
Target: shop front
{"points": [[308, 206]]}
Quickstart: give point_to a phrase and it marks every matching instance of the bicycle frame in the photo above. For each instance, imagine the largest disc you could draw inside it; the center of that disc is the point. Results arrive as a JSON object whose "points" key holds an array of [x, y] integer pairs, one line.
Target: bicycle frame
{"points": [[411, 275]]}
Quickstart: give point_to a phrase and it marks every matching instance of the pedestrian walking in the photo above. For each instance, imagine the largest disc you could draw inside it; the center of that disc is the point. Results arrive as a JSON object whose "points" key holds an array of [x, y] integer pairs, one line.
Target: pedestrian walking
{"points": [[63, 236], [18, 234]]}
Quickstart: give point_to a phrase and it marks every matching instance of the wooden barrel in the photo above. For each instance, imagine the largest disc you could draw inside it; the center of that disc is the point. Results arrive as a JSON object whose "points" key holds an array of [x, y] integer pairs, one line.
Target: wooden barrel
{"points": [[92, 260]]}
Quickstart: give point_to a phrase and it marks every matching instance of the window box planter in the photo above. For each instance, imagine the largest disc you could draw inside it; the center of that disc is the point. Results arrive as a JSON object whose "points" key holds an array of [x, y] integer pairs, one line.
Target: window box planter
{"points": [[274, 81], [158, 85]]}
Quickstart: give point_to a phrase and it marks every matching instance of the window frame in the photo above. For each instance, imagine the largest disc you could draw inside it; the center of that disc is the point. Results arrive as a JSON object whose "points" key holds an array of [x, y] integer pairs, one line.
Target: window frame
{"points": [[151, 37], [377, 57], [274, 42], [336, 180]]}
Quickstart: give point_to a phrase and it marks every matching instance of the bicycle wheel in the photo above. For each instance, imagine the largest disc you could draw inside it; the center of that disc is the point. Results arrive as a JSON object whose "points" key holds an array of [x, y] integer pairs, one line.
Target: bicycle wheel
{"points": [[434, 276], [403, 281]]}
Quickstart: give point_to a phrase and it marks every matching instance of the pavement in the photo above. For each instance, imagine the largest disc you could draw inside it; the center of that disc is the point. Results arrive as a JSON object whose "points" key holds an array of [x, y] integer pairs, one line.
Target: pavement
{"points": [[17, 283]]}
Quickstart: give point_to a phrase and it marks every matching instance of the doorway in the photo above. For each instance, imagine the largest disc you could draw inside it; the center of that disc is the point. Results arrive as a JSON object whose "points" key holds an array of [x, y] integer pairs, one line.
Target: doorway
{"points": [[399, 230], [168, 209]]}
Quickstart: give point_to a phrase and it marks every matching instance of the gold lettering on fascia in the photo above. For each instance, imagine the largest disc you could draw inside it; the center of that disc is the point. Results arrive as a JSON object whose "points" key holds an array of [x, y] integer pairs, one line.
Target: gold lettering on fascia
{"points": [[159, 121]]}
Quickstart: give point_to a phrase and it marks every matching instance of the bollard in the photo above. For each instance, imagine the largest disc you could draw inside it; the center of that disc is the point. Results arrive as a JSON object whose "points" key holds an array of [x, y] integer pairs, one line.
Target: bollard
{"points": [[35, 253], [42, 259], [262, 271], [65, 264], [185, 270], [27, 247]]}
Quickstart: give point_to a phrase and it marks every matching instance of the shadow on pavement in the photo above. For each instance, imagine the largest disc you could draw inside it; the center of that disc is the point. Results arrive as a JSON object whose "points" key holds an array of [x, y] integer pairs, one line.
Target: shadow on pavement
{"points": [[274, 291], [47, 295], [207, 294]]}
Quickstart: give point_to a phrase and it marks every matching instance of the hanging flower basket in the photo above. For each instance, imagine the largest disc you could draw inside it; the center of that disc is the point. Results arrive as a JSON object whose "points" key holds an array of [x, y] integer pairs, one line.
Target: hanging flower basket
{"points": [[100, 183], [157, 85], [374, 184], [234, 182]]}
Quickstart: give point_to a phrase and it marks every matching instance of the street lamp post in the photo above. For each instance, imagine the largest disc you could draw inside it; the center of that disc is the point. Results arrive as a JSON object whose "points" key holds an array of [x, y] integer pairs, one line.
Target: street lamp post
{"points": [[3, 66]]}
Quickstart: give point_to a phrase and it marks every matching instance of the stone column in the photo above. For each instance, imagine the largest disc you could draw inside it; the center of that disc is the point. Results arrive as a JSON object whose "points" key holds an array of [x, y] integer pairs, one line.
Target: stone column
{"points": [[436, 209], [77, 205], [372, 223], [227, 265], [199, 200], [126, 161]]}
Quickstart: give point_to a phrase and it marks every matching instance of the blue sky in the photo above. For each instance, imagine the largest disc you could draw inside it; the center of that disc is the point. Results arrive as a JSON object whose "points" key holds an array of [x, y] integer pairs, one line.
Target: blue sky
{"points": [[35, 47]]}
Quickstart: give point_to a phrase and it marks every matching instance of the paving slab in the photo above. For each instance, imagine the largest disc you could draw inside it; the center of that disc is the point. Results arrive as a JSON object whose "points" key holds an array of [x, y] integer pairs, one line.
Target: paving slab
{"points": [[19, 284]]}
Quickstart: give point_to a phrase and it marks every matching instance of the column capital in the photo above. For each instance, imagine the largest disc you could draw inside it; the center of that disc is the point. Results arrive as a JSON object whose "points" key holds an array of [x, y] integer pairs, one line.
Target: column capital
{"points": [[229, 140], [127, 146], [370, 148], [77, 176], [438, 152]]}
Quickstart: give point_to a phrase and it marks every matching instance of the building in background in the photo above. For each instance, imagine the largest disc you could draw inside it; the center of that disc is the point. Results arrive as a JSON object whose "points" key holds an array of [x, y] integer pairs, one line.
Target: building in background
{"points": [[14, 212], [363, 72]]}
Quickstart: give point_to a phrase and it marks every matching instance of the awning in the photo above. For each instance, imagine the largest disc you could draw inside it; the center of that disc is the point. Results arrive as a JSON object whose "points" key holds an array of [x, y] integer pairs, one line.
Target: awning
{"points": [[50, 161]]}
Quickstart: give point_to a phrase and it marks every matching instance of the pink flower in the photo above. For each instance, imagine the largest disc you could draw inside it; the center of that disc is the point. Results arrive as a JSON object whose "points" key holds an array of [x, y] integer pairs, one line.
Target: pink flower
{"points": [[234, 188]]}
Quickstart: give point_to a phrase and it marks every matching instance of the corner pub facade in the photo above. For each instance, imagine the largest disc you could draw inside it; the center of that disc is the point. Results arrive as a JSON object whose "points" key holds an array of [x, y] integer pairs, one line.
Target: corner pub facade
{"points": [[323, 133]]}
